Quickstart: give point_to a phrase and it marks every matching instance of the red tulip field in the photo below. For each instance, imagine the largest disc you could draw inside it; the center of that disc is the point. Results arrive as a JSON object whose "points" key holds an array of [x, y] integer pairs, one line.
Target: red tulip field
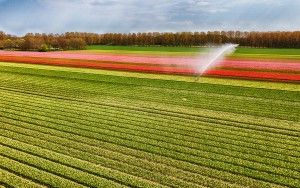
{"points": [[276, 70]]}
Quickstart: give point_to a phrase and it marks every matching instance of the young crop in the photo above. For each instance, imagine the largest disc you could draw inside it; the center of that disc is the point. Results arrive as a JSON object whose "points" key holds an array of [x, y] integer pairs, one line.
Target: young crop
{"points": [[62, 128]]}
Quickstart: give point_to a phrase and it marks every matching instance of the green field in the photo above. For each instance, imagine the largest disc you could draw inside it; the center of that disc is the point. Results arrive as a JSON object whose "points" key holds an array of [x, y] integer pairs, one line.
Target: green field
{"points": [[144, 48], [268, 53], [241, 52], [67, 127], [147, 50]]}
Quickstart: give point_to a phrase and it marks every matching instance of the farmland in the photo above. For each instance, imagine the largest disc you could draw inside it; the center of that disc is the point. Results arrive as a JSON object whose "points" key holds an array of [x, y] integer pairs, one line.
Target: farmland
{"points": [[186, 50], [69, 126], [246, 63]]}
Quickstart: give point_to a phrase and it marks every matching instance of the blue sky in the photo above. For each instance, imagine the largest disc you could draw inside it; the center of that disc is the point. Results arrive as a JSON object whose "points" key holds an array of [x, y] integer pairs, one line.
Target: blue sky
{"points": [[56, 16]]}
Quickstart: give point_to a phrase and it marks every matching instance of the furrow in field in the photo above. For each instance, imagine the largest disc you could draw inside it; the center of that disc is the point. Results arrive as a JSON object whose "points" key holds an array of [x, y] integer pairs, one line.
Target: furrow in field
{"points": [[118, 163], [35, 174], [189, 117], [159, 112], [5, 185], [208, 103], [167, 134], [161, 147], [91, 146], [97, 108], [156, 141], [194, 145], [6, 76], [263, 105], [89, 78], [82, 165], [84, 128], [93, 166], [13, 180], [51, 166], [71, 80]]}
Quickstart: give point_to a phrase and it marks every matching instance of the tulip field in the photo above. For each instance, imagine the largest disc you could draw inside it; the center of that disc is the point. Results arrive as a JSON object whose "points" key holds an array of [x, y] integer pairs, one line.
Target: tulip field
{"points": [[132, 117], [245, 65]]}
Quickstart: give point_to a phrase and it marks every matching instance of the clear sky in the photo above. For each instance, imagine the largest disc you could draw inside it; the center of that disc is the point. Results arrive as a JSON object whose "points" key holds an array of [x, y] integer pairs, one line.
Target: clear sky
{"points": [[56, 16]]}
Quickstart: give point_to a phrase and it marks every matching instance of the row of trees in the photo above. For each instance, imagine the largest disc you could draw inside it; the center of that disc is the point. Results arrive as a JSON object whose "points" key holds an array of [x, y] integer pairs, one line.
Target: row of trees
{"points": [[41, 42], [79, 40], [250, 39]]}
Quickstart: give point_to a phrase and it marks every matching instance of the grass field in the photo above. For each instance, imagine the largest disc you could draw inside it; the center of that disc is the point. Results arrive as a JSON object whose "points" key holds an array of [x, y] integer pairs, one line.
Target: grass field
{"points": [[68, 127], [267, 53], [154, 50], [146, 48], [241, 52]]}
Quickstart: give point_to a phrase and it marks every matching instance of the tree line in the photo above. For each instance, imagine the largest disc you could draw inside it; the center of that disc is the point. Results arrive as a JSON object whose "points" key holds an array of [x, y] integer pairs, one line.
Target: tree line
{"points": [[41, 42], [79, 40]]}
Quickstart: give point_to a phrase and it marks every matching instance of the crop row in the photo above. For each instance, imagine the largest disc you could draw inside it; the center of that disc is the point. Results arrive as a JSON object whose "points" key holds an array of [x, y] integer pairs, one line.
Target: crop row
{"points": [[53, 167], [259, 128], [152, 83], [127, 155], [272, 162], [216, 103], [94, 168], [127, 113], [126, 163], [35, 174], [167, 129], [220, 103], [91, 132], [162, 148], [264, 129], [104, 86], [154, 140], [148, 112], [109, 124], [12, 180], [198, 101], [94, 172]]}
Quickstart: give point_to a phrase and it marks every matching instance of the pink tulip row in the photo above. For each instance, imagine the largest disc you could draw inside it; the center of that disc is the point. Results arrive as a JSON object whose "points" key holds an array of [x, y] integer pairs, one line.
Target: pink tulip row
{"points": [[270, 70], [167, 61]]}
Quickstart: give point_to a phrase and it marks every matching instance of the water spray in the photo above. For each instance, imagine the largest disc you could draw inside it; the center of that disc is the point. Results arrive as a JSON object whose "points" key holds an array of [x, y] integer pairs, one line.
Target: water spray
{"points": [[212, 58]]}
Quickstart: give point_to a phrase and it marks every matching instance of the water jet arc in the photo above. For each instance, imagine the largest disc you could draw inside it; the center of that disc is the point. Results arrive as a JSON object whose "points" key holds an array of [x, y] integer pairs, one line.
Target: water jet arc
{"points": [[213, 57]]}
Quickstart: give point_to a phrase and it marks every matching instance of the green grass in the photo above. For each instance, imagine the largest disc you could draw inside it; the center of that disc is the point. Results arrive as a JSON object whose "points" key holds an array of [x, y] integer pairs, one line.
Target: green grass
{"points": [[144, 48], [67, 127], [140, 50], [267, 53], [241, 52]]}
